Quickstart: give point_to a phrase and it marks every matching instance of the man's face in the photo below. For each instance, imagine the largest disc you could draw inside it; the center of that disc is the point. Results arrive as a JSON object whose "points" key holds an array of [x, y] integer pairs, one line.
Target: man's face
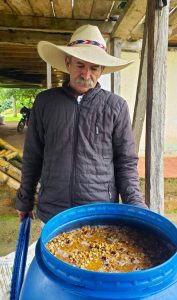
{"points": [[83, 75]]}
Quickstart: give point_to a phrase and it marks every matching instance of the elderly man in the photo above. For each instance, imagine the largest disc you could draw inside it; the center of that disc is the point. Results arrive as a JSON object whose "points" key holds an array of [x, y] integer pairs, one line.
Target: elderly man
{"points": [[79, 141]]}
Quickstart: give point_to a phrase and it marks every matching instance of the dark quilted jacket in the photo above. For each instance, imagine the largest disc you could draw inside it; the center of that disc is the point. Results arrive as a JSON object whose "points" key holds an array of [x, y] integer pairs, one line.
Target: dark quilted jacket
{"points": [[82, 153]]}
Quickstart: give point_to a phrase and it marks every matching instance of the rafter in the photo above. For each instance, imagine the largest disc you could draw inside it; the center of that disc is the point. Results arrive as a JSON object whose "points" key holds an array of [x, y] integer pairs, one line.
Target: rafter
{"points": [[133, 14]]}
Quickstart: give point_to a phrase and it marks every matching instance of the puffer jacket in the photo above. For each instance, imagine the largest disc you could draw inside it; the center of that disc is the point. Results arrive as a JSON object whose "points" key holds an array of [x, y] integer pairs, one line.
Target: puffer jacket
{"points": [[82, 153]]}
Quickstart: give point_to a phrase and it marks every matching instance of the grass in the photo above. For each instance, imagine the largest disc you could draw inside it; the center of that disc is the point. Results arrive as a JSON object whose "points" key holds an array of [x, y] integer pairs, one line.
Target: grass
{"points": [[171, 211], [11, 118], [9, 234], [170, 186]]}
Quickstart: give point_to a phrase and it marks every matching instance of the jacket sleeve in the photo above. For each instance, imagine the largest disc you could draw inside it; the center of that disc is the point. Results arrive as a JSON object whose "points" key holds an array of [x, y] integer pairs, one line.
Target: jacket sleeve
{"points": [[32, 160], [125, 160]]}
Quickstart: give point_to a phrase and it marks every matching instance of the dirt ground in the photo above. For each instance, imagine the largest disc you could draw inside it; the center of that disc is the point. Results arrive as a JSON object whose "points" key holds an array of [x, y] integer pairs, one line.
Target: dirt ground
{"points": [[9, 223]]}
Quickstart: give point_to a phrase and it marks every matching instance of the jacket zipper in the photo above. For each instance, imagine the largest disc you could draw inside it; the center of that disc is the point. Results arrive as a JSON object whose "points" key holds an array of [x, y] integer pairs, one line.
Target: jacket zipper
{"points": [[75, 141], [109, 192]]}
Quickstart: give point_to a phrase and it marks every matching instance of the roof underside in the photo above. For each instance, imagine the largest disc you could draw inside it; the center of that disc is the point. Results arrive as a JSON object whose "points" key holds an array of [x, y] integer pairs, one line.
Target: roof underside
{"points": [[24, 23]]}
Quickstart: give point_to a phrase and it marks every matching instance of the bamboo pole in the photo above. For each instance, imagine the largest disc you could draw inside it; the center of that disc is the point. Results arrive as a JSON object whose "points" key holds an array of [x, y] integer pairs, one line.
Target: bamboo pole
{"points": [[10, 155], [10, 170], [11, 182], [7, 146], [16, 164], [2, 152]]}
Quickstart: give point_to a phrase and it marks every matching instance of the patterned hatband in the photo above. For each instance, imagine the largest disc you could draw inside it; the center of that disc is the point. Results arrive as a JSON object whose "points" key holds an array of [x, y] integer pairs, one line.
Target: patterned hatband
{"points": [[88, 42]]}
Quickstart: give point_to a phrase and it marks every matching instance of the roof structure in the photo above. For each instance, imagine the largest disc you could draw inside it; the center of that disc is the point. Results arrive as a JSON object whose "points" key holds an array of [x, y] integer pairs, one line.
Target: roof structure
{"points": [[24, 23]]}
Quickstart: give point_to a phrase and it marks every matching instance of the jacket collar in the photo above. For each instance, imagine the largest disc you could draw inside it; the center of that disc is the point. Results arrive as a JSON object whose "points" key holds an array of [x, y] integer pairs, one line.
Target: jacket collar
{"points": [[89, 95]]}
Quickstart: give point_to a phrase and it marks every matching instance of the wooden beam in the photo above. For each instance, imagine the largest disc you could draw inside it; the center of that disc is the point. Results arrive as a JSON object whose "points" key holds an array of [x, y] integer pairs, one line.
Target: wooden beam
{"points": [[134, 12], [141, 95], [81, 10], [49, 76], [173, 3], [4, 8], [134, 46], [27, 37], [101, 9], [63, 8], [16, 55], [42, 8], [20, 7], [137, 32], [157, 22], [115, 47], [173, 18], [49, 24]]}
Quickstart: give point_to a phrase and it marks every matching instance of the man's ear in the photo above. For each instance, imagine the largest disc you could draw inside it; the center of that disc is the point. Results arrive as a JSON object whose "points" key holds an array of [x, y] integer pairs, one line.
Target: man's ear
{"points": [[67, 62]]}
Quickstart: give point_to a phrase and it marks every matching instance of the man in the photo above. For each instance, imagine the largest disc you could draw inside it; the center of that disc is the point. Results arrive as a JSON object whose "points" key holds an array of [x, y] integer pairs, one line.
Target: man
{"points": [[79, 141]]}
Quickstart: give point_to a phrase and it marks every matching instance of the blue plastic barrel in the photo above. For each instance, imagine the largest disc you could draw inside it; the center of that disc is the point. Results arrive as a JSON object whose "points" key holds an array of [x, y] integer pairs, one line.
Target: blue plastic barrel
{"points": [[51, 278]]}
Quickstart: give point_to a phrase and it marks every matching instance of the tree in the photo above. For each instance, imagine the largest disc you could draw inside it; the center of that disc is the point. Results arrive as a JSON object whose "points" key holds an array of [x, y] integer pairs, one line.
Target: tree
{"points": [[21, 97]]}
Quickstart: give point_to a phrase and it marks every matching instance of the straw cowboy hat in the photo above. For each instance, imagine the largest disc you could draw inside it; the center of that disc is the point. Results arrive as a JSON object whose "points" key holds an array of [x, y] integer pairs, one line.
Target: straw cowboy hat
{"points": [[86, 44]]}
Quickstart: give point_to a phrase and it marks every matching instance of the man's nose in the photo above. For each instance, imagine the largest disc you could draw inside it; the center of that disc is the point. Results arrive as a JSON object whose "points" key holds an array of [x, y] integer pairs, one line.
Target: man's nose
{"points": [[86, 72]]}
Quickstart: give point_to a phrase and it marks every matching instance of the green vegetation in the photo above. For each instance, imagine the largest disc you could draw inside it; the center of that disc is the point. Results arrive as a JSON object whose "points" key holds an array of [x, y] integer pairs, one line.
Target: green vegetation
{"points": [[11, 118], [171, 211], [8, 218], [10, 229], [17, 97], [170, 186]]}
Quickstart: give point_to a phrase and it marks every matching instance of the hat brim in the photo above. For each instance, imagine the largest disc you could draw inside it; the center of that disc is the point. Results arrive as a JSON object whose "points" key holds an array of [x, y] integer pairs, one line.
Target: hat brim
{"points": [[55, 56]]}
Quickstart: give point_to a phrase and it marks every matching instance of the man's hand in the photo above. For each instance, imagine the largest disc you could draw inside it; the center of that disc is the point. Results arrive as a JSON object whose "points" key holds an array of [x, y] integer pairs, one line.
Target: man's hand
{"points": [[21, 214]]}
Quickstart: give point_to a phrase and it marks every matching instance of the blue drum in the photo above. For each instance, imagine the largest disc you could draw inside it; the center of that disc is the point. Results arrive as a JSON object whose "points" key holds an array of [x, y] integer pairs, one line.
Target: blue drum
{"points": [[50, 278]]}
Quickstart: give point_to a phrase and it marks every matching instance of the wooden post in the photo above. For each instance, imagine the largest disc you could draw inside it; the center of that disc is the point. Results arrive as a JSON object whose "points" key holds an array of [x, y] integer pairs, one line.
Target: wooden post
{"points": [[115, 47], [157, 26], [49, 76], [141, 95]]}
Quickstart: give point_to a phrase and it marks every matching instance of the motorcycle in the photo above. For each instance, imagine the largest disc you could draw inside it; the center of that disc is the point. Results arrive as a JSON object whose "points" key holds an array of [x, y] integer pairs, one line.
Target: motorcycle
{"points": [[25, 112]]}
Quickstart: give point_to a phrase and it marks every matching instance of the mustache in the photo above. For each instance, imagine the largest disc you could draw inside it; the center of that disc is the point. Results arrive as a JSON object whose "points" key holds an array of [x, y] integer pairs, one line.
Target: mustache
{"points": [[85, 82]]}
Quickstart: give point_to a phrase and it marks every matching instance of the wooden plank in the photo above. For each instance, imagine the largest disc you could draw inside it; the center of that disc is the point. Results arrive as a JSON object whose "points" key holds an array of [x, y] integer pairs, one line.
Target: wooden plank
{"points": [[19, 64], [141, 95], [13, 70], [101, 9], [82, 9], [173, 18], [15, 55], [49, 24], [9, 169], [20, 7], [156, 97], [12, 183], [41, 8], [173, 38], [63, 8], [137, 32], [22, 66], [4, 8], [7, 146], [173, 3], [27, 37], [49, 76], [17, 46], [115, 49], [134, 12]]}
